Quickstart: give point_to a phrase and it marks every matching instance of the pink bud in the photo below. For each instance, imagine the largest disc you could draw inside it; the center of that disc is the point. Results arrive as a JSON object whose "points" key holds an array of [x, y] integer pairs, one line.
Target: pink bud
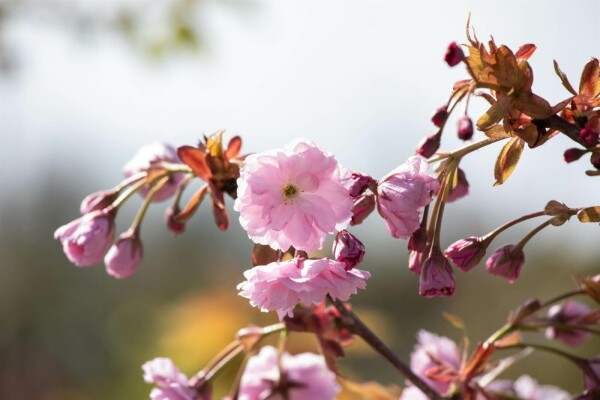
{"points": [[436, 277], [348, 250], [86, 239], [98, 200], [173, 225], [359, 183], [466, 253], [428, 146], [363, 207], [418, 240], [589, 136], [465, 127], [415, 262], [573, 154], [505, 262], [454, 54], [439, 116], [566, 314], [124, 256]]}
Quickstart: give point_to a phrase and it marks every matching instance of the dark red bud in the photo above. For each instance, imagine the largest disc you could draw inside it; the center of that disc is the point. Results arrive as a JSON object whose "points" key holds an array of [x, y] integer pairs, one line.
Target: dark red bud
{"points": [[428, 146], [360, 183], [465, 127], [439, 116], [589, 136], [172, 224], [573, 154], [454, 54]]}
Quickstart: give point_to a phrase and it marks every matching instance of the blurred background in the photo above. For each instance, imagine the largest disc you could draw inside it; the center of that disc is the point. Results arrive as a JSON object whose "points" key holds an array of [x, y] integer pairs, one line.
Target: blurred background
{"points": [[84, 84]]}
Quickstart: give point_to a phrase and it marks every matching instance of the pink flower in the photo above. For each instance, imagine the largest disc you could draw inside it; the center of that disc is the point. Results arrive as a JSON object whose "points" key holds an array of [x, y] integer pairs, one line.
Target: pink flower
{"points": [[466, 253], [358, 183], [302, 377], [86, 239], [347, 249], [567, 313], [292, 197], [415, 261], [148, 156], [402, 194], [124, 256], [279, 286], [171, 383], [505, 262], [437, 278], [436, 360]]}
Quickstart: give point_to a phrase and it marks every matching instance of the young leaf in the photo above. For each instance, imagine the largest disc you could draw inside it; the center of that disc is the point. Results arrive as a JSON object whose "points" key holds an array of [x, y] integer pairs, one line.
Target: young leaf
{"points": [[196, 160], [589, 85], [495, 113], [590, 214], [507, 160], [190, 208], [564, 79]]}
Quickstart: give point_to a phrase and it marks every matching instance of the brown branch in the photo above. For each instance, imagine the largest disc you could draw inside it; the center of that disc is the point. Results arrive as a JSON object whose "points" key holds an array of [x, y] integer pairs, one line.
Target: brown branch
{"points": [[356, 326], [561, 125]]}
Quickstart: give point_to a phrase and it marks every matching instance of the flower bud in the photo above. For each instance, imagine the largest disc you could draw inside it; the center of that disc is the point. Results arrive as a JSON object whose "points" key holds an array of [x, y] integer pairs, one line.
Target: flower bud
{"points": [[415, 261], [437, 278], [589, 136], [124, 256], [359, 183], [567, 313], [173, 225], [573, 154], [505, 262], [465, 127], [428, 146], [363, 207], [418, 240], [348, 250], [454, 54], [439, 116], [466, 253], [98, 200], [86, 239]]}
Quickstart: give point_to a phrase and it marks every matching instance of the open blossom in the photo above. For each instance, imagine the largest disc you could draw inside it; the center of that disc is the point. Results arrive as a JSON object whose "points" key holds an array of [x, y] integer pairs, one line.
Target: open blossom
{"points": [[567, 313], [305, 377], [124, 256], [436, 360], [86, 239], [145, 158], [171, 384], [402, 194], [279, 286], [292, 197]]}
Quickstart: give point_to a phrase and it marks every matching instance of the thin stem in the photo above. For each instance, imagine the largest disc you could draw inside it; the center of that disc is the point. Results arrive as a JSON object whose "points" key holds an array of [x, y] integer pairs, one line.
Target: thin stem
{"points": [[561, 327], [499, 334], [561, 297], [130, 180], [355, 325], [125, 196], [135, 226], [490, 236], [463, 151], [181, 188], [577, 360], [519, 246], [448, 184]]}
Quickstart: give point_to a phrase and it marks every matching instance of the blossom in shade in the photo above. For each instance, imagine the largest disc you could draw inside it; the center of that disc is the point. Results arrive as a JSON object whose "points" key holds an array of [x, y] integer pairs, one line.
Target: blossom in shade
{"points": [[170, 383], [454, 54], [567, 313], [436, 360], [436, 278], [506, 262], [124, 256], [86, 239], [279, 286], [292, 197], [402, 194], [149, 156], [294, 377], [347, 249], [466, 253]]}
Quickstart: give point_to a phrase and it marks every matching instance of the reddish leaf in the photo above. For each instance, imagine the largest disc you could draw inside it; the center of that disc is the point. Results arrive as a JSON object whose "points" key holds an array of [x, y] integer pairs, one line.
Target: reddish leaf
{"points": [[525, 51], [478, 361], [564, 79], [192, 205], [533, 105], [196, 160], [233, 148], [507, 160], [496, 112], [220, 214], [589, 85]]}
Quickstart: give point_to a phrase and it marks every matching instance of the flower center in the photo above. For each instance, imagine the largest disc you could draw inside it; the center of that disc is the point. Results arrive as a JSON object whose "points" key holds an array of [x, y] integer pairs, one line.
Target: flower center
{"points": [[290, 191]]}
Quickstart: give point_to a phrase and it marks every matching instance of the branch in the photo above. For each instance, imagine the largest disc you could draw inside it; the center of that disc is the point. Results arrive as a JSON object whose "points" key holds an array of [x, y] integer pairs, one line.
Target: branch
{"points": [[356, 326], [561, 125]]}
